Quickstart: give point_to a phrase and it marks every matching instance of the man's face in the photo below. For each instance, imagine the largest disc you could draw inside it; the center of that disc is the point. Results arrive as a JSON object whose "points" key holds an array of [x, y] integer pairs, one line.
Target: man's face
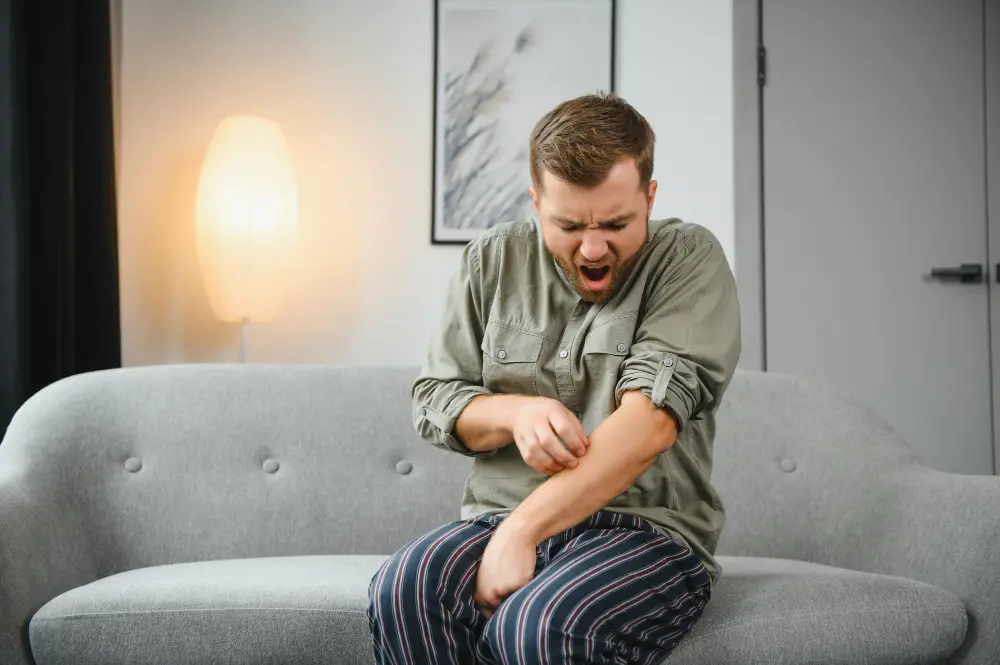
{"points": [[594, 234]]}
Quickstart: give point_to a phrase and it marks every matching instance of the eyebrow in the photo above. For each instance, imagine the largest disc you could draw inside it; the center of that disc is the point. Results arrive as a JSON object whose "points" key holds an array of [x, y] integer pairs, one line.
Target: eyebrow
{"points": [[620, 219]]}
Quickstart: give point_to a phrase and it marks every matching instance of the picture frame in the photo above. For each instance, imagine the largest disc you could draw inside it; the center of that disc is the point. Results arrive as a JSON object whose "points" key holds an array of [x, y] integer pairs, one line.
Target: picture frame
{"points": [[499, 65]]}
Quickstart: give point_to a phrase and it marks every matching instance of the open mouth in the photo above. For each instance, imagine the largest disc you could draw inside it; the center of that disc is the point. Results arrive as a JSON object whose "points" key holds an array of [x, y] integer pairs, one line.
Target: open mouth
{"points": [[592, 274]]}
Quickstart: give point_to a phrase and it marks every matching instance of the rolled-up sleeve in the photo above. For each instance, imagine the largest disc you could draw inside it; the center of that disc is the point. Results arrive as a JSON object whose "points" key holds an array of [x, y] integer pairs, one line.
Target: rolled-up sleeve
{"points": [[688, 342], [451, 375]]}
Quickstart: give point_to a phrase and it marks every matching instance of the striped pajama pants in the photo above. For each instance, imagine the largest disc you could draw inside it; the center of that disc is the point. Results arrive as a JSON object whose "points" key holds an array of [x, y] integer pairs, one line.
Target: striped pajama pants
{"points": [[610, 590]]}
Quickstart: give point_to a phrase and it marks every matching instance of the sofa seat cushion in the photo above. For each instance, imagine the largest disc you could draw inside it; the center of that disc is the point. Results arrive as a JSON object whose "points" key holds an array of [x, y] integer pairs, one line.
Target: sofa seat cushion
{"points": [[778, 611], [308, 609], [312, 610]]}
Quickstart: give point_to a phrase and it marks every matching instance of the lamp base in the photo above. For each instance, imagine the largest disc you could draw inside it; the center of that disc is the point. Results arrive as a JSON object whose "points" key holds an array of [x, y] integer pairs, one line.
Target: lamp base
{"points": [[243, 340]]}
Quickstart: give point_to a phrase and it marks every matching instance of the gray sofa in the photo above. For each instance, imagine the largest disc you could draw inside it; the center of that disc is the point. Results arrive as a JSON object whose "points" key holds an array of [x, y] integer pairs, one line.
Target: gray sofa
{"points": [[235, 514]]}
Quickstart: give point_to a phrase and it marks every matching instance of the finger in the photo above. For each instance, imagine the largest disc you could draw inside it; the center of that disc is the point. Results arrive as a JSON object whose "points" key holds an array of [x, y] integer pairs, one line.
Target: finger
{"points": [[489, 603], [519, 441], [571, 432], [554, 447], [542, 461], [480, 596], [534, 454], [549, 469], [483, 606], [527, 444]]}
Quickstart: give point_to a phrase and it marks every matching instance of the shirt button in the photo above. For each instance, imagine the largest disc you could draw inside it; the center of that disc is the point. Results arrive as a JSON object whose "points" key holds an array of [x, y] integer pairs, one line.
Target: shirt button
{"points": [[668, 362], [501, 354], [563, 353], [621, 347]]}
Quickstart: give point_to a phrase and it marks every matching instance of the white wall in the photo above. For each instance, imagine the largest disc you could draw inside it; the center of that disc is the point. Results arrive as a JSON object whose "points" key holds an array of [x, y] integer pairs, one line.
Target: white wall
{"points": [[675, 64], [351, 82]]}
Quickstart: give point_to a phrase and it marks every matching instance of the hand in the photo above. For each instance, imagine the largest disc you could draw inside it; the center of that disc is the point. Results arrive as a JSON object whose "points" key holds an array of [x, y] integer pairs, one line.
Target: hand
{"points": [[508, 564], [539, 424]]}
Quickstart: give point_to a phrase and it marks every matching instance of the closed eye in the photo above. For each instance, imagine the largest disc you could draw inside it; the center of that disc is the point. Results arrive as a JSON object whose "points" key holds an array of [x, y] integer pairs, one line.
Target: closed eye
{"points": [[609, 226]]}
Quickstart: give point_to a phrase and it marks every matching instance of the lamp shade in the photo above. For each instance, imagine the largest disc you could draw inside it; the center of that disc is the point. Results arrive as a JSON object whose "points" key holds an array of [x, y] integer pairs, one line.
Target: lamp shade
{"points": [[247, 219]]}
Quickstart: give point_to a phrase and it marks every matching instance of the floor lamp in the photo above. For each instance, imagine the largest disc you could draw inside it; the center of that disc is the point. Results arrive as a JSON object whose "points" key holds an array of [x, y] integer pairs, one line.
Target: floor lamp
{"points": [[247, 221]]}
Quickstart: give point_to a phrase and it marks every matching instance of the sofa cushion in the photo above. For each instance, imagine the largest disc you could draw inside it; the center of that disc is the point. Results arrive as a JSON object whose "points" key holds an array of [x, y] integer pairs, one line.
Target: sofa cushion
{"points": [[308, 609], [777, 611], [312, 610]]}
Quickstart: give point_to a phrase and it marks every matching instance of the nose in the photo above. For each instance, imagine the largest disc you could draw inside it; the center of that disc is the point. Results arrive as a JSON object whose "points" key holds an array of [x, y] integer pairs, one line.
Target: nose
{"points": [[593, 247]]}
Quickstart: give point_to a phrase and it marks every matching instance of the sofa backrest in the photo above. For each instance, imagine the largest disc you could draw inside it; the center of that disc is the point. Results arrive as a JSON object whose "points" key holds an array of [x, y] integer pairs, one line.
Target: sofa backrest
{"points": [[798, 465], [190, 462]]}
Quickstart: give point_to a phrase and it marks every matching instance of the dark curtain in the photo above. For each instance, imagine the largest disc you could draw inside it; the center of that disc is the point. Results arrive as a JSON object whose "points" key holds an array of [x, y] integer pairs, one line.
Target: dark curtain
{"points": [[59, 312]]}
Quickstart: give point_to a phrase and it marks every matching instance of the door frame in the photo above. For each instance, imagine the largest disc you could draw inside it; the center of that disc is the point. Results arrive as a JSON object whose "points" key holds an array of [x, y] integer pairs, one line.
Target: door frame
{"points": [[991, 43], [748, 184], [750, 63]]}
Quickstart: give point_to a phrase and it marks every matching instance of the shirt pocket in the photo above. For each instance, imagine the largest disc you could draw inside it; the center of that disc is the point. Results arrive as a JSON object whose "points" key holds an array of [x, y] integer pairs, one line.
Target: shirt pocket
{"points": [[510, 360], [606, 347]]}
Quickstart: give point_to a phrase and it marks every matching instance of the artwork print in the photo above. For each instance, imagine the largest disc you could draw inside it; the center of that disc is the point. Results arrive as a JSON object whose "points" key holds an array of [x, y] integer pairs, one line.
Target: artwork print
{"points": [[499, 66]]}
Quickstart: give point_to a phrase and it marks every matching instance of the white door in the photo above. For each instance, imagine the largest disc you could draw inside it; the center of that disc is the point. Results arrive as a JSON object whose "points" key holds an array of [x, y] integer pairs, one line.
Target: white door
{"points": [[875, 248]]}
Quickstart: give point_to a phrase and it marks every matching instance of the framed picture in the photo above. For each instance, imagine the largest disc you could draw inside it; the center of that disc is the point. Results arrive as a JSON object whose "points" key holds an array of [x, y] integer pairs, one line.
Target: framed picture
{"points": [[499, 65]]}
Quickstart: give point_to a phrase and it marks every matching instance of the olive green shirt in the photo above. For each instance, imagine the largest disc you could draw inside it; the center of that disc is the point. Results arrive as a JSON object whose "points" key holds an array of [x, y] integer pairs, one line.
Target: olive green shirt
{"points": [[514, 324]]}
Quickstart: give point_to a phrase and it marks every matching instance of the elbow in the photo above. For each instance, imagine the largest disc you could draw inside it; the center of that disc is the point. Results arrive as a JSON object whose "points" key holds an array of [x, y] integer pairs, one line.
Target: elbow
{"points": [[664, 431]]}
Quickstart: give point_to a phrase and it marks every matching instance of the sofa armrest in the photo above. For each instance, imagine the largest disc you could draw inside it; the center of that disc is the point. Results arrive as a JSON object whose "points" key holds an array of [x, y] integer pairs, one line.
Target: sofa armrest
{"points": [[808, 472], [43, 553], [942, 529]]}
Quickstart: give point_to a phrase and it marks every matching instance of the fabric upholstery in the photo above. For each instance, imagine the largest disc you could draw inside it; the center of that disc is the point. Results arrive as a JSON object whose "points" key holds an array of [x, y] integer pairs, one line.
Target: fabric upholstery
{"points": [[807, 473], [794, 613], [298, 610], [352, 478], [312, 610], [112, 471]]}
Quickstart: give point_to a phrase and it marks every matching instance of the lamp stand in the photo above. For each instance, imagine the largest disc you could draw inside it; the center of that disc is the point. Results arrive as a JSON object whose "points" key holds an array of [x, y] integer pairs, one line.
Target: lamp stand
{"points": [[243, 340]]}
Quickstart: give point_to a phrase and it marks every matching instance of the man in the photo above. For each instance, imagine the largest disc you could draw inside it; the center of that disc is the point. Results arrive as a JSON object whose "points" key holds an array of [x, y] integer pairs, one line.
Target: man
{"points": [[580, 362]]}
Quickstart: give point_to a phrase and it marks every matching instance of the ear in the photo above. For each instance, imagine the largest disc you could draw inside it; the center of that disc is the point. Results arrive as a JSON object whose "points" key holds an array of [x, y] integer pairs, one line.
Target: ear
{"points": [[534, 198], [651, 198]]}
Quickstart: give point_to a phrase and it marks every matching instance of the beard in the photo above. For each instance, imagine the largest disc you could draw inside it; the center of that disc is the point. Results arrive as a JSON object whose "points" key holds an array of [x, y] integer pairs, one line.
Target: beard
{"points": [[618, 271]]}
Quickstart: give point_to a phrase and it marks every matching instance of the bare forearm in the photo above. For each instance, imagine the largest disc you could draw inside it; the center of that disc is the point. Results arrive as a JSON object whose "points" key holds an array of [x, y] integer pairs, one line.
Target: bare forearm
{"points": [[621, 449], [486, 422]]}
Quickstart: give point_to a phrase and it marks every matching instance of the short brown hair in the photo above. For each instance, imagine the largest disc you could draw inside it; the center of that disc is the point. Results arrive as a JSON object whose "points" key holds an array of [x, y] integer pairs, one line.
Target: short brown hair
{"points": [[581, 139]]}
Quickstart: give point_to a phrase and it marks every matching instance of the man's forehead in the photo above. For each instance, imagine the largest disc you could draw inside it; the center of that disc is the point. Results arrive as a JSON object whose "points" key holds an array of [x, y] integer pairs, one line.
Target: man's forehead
{"points": [[585, 207], [622, 181]]}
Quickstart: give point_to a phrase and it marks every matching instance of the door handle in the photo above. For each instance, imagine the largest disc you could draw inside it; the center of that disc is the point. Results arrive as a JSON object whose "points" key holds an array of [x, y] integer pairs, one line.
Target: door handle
{"points": [[967, 273]]}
